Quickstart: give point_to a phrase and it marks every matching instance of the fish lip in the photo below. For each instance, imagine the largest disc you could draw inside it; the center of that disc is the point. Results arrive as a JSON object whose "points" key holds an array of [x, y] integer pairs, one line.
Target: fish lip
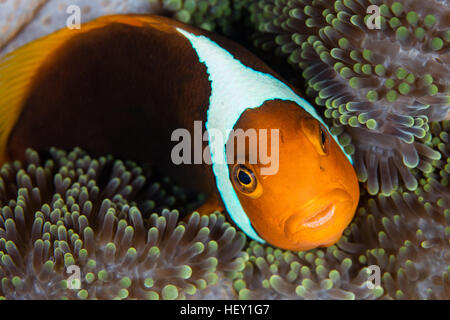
{"points": [[319, 217], [316, 213]]}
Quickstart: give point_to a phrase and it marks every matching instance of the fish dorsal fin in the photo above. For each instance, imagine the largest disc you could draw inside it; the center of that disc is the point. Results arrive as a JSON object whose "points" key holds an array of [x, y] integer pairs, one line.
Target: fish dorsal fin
{"points": [[18, 68]]}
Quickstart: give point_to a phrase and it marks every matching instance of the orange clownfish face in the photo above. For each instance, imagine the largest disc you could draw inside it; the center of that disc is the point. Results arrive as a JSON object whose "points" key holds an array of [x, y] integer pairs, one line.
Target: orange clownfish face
{"points": [[312, 197]]}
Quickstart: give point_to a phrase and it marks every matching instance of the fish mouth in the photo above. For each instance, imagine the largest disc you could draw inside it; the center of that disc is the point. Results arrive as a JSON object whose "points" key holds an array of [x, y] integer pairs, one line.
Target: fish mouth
{"points": [[319, 218], [318, 213]]}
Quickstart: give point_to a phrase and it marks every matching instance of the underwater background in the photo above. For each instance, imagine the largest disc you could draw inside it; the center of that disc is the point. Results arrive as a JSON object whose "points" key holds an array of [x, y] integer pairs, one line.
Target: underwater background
{"points": [[384, 92]]}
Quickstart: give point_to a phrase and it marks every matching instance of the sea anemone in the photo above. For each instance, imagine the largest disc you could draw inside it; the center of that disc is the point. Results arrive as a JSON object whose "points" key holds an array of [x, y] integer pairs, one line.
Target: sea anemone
{"points": [[408, 239], [381, 88], [434, 177], [100, 216], [209, 15], [317, 274]]}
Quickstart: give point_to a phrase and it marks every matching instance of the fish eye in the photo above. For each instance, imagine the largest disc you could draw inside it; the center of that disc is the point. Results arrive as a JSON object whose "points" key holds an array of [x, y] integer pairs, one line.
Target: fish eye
{"points": [[245, 181], [323, 138], [317, 134], [244, 178]]}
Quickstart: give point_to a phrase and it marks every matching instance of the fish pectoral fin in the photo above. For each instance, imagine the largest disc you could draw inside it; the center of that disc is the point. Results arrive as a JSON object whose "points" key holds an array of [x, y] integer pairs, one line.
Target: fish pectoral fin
{"points": [[211, 205]]}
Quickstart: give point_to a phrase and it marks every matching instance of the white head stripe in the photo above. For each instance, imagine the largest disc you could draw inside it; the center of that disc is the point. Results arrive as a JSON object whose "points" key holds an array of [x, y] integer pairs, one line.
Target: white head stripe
{"points": [[235, 88]]}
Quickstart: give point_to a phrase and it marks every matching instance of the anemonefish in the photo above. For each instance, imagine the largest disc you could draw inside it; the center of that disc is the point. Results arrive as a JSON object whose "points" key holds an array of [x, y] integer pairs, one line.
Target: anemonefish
{"points": [[122, 84]]}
